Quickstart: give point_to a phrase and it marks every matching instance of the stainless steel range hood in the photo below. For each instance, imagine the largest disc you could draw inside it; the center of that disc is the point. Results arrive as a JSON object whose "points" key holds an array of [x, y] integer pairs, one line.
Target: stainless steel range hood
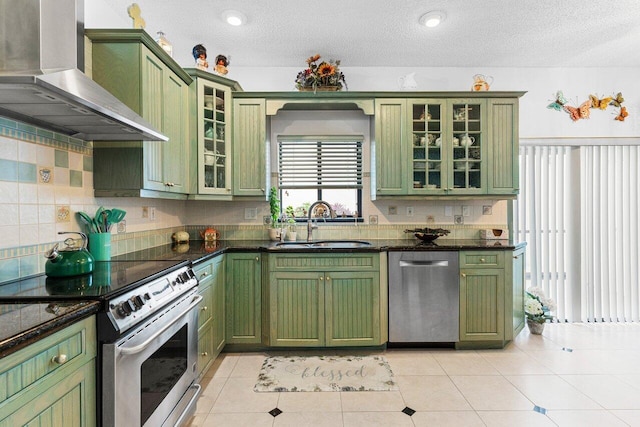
{"points": [[41, 82]]}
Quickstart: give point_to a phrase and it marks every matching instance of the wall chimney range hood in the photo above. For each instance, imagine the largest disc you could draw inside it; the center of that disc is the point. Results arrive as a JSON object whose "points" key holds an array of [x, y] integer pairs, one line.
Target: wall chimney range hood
{"points": [[41, 82]]}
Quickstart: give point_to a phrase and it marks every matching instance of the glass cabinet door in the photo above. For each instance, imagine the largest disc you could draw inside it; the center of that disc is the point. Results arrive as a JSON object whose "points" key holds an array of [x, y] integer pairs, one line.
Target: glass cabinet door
{"points": [[427, 126], [467, 146], [213, 136]]}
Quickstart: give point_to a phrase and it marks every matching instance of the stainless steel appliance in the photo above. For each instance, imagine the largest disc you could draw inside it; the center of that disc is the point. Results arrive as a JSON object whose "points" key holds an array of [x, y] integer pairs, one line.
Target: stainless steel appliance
{"points": [[147, 335], [149, 357], [424, 295], [41, 78]]}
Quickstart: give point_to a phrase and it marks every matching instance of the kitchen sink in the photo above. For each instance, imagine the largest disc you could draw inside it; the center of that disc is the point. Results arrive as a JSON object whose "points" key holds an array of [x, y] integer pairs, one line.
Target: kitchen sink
{"points": [[324, 244]]}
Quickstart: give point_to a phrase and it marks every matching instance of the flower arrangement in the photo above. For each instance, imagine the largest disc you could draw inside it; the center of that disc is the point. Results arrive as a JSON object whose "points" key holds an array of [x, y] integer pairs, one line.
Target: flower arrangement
{"points": [[537, 306], [326, 74]]}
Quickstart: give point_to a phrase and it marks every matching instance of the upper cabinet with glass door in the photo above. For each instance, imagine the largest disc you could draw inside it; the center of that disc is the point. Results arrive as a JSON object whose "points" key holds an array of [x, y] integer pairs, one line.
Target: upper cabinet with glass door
{"points": [[211, 127], [467, 146], [447, 146]]}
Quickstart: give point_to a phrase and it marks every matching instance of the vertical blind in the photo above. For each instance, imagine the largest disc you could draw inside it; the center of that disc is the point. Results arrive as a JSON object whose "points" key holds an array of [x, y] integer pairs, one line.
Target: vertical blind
{"points": [[610, 206], [579, 209], [324, 163], [542, 216]]}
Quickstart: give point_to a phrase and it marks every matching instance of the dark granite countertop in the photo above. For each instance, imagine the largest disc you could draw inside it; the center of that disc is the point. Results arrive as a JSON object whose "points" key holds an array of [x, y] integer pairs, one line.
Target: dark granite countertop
{"points": [[24, 324], [197, 250]]}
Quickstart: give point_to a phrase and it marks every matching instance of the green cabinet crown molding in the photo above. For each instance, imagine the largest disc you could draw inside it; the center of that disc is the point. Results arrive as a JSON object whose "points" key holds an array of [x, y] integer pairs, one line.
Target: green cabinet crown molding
{"points": [[198, 73], [346, 95], [141, 36]]}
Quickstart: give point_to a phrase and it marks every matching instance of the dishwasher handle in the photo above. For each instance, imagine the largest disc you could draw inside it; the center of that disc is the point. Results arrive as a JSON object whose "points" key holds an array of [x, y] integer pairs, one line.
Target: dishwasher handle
{"points": [[435, 263]]}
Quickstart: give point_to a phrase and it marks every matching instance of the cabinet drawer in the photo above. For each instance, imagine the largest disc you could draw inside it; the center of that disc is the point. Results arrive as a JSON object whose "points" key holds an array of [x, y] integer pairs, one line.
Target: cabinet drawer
{"points": [[204, 273], [205, 309], [324, 262], [65, 350], [494, 259]]}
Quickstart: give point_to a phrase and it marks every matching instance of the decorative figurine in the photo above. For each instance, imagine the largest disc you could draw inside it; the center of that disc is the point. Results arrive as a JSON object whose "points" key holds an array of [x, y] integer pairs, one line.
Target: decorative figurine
{"points": [[221, 65], [136, 14], [200, 55]]}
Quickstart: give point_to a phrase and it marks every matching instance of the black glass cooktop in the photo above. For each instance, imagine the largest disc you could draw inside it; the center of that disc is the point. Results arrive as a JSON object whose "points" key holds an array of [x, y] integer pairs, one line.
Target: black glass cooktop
{"points": [[109, 278]]}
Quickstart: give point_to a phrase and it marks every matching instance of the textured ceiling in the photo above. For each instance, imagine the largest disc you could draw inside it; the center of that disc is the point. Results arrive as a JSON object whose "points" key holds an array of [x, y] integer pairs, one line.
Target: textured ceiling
{"points": [[368, 33]]}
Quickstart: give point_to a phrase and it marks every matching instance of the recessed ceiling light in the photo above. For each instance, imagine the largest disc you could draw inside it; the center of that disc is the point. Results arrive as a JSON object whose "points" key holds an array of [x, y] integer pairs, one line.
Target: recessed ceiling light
{"points": [[233, 17], [432, 19]]}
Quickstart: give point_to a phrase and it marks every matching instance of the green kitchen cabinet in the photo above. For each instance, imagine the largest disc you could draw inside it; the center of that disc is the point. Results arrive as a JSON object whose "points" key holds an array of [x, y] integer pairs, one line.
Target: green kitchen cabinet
{"points": [[325, 300], [390, 147], [296, 309], [250, 147], [52, 382], [211, 314], [132, 66], [243, 290], [482, 296], [447, 146], [503, 151], [211, 137]]}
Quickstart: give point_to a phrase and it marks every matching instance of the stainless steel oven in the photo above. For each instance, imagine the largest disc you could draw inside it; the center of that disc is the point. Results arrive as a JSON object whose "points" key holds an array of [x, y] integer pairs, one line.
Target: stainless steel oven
{"points": [[149, 370]]}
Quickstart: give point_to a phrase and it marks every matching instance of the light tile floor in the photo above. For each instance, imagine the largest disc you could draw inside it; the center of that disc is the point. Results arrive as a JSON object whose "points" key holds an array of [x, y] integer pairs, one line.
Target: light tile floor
{"points": [[572, 375]]}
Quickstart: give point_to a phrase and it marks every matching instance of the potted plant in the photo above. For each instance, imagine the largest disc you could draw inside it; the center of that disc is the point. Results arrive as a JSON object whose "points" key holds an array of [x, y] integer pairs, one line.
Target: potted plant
{"points": [[537, 308], [291, 221], [274, 207]]}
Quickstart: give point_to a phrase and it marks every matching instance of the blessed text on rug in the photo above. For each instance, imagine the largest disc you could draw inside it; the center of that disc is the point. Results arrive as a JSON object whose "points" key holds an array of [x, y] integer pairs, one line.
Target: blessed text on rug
{"points": [[325, 373]]}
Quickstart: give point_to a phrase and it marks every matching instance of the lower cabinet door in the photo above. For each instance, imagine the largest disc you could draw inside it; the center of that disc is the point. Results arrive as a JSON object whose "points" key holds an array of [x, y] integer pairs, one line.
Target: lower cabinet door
{"points": [[219, 318], [71, 402], [297, 309], [244, 298], [206, 352], [482, 304], [352, 308]]}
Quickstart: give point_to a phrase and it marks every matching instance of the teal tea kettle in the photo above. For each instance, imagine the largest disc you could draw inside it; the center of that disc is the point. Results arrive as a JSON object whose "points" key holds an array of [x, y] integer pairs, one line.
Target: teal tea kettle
{"points": [[70, 261]]}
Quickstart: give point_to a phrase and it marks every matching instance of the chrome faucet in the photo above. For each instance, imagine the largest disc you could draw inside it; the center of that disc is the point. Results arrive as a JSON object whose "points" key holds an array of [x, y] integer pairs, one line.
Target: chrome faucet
{"points": [[310, 226]]}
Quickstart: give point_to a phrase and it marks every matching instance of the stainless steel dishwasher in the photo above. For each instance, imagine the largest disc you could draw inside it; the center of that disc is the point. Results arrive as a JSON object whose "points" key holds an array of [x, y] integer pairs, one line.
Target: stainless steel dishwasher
{"points": [[424, 297]]}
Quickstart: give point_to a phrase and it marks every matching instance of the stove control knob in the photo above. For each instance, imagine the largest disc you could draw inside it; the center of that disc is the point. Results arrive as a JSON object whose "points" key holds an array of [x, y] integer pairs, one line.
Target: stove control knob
{"points": [[138, 301], [125, 308]]}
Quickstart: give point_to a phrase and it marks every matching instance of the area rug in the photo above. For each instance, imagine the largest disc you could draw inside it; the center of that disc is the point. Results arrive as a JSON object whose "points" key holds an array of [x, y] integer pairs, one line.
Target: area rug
{"points": [[325, 373]]}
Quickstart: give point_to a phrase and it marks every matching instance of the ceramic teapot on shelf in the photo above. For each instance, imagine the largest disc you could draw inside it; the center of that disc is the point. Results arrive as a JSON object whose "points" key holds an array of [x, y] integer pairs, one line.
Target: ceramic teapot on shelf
{"points": [[481, 82], [466, 140]]}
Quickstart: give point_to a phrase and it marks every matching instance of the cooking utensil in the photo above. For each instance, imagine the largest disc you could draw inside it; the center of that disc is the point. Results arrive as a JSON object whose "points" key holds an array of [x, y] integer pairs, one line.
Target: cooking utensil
{"points": [[97, 218], [86, 219], [105, 220], [428, 234], [116, 216]]}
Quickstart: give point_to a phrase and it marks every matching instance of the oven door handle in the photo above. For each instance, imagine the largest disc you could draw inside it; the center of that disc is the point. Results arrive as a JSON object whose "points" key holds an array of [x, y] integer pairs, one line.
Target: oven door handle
{"points": [[140, 347]]}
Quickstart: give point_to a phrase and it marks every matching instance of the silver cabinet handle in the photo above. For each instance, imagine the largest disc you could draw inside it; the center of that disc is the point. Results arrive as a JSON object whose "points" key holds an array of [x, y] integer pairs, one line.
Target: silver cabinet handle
{"points": [[140, 347], [424, 263], [463, 275]]}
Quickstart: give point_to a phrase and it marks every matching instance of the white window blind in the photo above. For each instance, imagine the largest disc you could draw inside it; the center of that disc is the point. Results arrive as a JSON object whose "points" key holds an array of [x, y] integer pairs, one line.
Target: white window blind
{"points": [[579, 209], [610, 241], [542, 218], [320, 162]]}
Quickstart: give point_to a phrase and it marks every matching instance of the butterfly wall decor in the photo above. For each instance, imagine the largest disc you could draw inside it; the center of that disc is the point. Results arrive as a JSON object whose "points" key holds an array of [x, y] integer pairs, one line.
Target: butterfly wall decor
{"points": [[559, 102], [582, 112], [600, 103], [622, 114], [618, 100]]}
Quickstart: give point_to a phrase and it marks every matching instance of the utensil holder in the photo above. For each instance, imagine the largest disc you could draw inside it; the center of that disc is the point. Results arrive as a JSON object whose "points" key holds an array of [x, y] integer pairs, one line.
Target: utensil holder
{"points": [[100, 246]]}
